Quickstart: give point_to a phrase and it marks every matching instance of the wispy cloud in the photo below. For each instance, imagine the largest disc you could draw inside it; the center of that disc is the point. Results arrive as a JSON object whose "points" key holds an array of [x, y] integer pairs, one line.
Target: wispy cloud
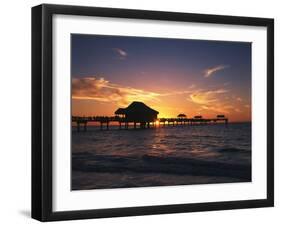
{"points": [[237, 110], [211, 100], [122, 54], [218, 108], [210, 71], [99, 89], [239, 99], [206, 97], [172, 93]]}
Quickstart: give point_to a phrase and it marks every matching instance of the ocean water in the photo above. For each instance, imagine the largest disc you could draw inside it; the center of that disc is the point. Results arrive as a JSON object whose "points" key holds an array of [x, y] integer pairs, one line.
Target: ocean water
{"points": [[179, 155]]}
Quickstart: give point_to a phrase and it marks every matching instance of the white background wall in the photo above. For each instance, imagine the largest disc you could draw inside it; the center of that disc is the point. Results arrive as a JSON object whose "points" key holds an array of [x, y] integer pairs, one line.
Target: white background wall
{"points": [[15, 103]]}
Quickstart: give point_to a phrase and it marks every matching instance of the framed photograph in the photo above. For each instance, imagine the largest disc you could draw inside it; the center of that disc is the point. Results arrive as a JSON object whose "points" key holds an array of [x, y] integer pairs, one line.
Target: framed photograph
{"points": [[146, 112]]}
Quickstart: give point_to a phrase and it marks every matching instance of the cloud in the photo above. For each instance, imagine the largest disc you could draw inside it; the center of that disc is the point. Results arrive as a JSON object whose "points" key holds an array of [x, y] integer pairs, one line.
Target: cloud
{"points": [[239, 99], [122, 54], [206, 97], [211, 100], [210, 71], [99, 89], [175, 93], [192, 86], [237, 110], [218, 108]]}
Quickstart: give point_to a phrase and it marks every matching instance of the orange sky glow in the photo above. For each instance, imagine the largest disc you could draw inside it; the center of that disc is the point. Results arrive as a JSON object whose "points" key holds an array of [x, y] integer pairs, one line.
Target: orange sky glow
{"points": [[93, 96]]}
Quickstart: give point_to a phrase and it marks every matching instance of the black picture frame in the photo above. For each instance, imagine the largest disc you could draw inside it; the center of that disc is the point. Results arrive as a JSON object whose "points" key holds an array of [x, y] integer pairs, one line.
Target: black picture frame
{"points": [[42, 107]]}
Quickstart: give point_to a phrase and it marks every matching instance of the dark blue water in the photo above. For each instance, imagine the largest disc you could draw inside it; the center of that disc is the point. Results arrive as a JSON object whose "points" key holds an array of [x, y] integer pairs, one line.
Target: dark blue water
{"points": [[161, 156]]}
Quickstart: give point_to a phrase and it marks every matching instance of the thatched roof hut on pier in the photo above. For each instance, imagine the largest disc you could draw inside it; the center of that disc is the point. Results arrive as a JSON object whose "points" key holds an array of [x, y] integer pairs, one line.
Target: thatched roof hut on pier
{"points": [[137, 112], [181, 116]]}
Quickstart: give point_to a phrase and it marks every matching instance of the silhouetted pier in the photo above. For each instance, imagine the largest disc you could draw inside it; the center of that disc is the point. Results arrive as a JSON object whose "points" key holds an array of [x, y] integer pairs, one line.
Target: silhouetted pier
{"points": [[105, 122]]}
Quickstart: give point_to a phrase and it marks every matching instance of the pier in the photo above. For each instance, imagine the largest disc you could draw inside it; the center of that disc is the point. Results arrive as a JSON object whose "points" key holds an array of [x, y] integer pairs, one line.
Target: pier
{"points": [[123, 123], [139, 115]]}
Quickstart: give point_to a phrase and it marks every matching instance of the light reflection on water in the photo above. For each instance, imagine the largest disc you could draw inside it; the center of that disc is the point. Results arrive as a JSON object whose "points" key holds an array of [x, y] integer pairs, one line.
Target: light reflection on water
{"points": [[203, 142]]}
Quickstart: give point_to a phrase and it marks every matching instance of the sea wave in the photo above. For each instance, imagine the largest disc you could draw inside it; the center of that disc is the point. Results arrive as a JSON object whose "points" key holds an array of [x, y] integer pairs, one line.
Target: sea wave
{"points": [[233, 150], [149, 164]]}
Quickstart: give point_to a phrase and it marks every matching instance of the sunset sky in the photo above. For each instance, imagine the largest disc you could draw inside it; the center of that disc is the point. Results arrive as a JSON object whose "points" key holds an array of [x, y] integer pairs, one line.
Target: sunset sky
{"points": [[172, 76]]}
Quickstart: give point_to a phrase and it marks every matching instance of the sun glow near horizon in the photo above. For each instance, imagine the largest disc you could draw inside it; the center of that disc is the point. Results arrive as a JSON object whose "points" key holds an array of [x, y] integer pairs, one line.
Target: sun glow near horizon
{"points": [[101, 98]]}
